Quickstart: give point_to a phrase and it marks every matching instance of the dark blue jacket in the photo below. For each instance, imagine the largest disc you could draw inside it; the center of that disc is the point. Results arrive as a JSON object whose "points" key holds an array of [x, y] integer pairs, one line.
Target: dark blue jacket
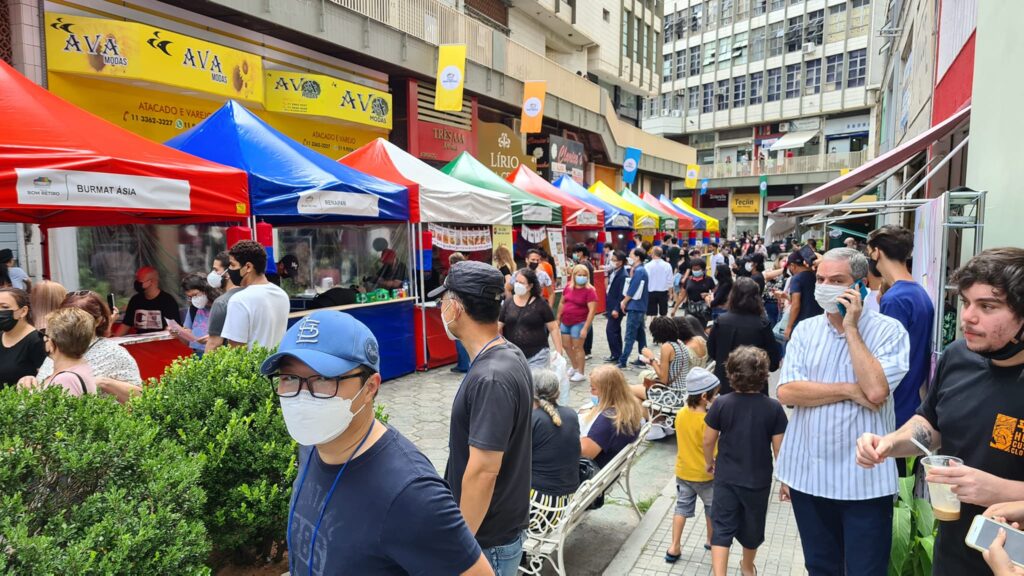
{"points": [[616, 282], [638, 290]]}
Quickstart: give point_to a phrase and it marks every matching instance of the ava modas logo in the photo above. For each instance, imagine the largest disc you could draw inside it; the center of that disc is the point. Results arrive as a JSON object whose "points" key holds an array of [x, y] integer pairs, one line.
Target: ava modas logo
{"points": [[451, 77], [101, 50], [532, 106], [629, 165]]}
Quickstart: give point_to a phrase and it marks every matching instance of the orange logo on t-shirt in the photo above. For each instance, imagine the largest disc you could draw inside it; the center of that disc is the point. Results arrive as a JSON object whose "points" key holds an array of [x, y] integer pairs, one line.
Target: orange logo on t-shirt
{"points": [[1008, 435]]}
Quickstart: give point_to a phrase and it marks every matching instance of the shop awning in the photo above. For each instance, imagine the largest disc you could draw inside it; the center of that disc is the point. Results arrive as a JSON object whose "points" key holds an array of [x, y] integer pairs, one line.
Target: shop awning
{"points": [[288, 182], [643, 219], [793, 140], [614, 217], [575, 213], [526, 208], [433, 195], [695, 223], [669, 223], [62, 166], [896, 157], [734, 142], [712, 222]]}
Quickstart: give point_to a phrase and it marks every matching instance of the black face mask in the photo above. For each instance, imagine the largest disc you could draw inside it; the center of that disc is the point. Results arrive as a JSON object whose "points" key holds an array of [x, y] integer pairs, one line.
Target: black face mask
{"points": [[1012, 348], [235, 275], [533, 265], [7, 320], [138, 287], [873, 267]]}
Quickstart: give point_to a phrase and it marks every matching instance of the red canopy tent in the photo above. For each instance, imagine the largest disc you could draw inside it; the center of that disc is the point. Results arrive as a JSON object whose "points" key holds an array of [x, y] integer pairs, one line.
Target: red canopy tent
{"points": [[575, 213], [61, 166]]}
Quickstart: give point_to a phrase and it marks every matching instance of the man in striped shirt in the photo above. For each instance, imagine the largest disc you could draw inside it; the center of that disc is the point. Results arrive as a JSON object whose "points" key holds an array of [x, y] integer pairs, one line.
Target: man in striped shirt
{"points": [[840, 370]]}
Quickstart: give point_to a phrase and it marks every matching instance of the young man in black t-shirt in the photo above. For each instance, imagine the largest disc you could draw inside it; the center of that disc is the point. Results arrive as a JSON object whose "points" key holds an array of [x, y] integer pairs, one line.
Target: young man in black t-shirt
{"points": [[974, 410], [490, 441], [150, 308]]}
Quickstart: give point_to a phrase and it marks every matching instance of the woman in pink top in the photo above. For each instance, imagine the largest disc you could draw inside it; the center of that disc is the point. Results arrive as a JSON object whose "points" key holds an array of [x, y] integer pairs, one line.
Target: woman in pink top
{"points": [[575, 315], [69, 332]]}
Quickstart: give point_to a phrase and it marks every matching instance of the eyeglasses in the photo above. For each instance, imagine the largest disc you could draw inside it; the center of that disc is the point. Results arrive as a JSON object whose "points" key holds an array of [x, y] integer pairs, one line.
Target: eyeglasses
{"points": [[289, 385]]}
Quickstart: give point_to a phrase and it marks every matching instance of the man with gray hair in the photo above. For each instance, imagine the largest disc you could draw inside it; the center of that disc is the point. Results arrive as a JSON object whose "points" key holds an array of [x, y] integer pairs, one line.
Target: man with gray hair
{"points": [[840, 370]]}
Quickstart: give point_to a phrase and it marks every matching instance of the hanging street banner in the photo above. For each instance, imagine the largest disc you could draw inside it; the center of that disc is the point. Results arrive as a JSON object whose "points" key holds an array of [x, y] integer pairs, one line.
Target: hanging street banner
{"points": [[630, 165], [763, 186], [318, 95], [451, 77], [115, 49], [703, 186], [692, 175], [461, 239], [533, 107]]}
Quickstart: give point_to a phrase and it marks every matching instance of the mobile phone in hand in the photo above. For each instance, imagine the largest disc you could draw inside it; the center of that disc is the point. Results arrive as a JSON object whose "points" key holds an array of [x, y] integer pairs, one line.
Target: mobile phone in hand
{"points": [[860, 287], [110, 301], [984, 530]]}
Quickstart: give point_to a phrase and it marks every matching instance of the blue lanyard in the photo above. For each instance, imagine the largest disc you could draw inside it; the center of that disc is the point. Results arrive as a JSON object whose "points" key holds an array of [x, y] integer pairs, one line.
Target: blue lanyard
{"points": [[302, 481]]}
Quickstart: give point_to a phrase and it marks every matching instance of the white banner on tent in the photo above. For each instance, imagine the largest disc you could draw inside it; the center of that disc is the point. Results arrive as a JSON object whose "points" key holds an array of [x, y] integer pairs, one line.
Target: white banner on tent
{"points": [[534, 234], [461, 239], [535, 213], [60, 188], [342, 203]]}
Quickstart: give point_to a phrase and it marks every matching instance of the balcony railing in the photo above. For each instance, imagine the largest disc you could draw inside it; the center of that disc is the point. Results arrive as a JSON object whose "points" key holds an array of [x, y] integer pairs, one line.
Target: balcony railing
{"points": [[794, 165]]}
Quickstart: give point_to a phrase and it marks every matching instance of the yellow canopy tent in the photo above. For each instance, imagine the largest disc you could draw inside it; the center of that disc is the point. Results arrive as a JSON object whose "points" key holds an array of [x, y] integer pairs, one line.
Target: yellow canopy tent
{"points": [[642, 219]]}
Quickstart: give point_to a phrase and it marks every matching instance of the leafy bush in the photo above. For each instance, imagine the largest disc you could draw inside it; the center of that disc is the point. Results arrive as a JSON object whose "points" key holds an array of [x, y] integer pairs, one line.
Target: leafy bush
{"points": [[913, 531], [87, 489], [226, 416]]}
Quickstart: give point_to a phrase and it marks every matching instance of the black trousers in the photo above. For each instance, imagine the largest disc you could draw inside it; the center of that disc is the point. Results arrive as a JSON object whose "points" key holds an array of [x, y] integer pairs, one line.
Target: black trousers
{"points": [[657, 304], [613, 330]]}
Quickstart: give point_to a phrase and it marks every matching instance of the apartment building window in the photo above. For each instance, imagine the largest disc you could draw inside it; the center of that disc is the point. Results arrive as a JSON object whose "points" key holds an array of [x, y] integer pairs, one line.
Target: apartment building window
{"points": [[666, 102], [857, 68], [794, 34], [836, 23], [793, 81], [708, 104], [860, 17], [757, 44], [637, 28], [776, 5], [724, 53], [681, 64], [627, 24], [742, 10], [812, 77], [696, 18], [646, 46], [646, 107], [666, 68], [677, 101], [681, 24], [726, 18], [776, 38], [813, 32], [739, 49], [739, 91], [834, 73], [692, 100], [723, 95], [794, 2], [756, 85], [668, 24], [694, 60], [774, 84], [759, 7], [709, 57], [711, 14]]}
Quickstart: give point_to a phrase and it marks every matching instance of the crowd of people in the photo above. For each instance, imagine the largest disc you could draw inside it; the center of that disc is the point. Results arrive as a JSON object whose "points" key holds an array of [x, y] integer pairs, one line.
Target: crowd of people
{"points": [[849, 329]]}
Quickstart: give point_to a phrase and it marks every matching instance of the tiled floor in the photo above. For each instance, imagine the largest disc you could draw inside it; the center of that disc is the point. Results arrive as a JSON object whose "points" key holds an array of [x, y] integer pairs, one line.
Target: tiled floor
{"points": [[780, 555]]}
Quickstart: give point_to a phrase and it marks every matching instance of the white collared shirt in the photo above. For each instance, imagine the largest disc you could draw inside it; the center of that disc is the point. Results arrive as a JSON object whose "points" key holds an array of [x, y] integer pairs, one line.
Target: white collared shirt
{"points": [[818, 455], [659, 275]]}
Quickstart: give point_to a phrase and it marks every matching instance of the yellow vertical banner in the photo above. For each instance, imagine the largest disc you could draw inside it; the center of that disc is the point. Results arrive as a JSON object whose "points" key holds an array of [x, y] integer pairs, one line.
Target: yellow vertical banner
{"points": [[451, 76], [533, 107], [502, 236], [692, 175]]}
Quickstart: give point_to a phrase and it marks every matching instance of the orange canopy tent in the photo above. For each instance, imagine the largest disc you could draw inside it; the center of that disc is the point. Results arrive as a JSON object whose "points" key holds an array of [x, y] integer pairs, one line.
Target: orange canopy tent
{"points": [[62, 166], [576, 214]]}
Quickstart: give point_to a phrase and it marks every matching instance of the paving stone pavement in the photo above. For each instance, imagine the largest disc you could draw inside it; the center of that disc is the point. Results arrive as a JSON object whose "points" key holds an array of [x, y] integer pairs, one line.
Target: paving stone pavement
{"points": [[419, 406]]}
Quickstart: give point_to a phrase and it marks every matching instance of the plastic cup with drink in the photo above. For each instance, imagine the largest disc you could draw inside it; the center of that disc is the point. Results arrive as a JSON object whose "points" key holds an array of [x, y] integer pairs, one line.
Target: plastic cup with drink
{"points": [[945, 504]]}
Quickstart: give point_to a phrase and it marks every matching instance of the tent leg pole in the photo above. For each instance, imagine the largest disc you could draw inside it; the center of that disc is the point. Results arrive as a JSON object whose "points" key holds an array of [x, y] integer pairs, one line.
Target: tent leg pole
{"points": [[423, 296]]}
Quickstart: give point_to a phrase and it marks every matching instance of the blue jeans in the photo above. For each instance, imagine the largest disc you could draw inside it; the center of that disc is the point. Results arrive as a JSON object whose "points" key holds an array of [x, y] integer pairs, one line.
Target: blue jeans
{"points": [[634, 332], [834, 534], [505, 558]]}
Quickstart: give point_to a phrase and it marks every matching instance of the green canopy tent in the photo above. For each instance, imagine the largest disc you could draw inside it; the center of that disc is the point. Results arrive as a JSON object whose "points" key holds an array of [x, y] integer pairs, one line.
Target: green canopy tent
{"points": [[526, 208]]}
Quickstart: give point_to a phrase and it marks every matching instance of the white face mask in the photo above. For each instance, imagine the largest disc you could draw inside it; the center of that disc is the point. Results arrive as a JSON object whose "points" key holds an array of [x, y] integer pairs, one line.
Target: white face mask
{"points": [[214, 279], [314, 421], [825, 295], [448, 330], [631, 260], [200, 301], [748, 266], [520, 289]]}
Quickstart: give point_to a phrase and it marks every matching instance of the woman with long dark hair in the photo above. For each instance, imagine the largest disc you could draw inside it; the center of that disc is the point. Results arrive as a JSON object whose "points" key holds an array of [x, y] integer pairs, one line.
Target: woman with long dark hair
{"points": [[22, 350], [197, 321], [717, 302], [744, 324], [526, 320]]}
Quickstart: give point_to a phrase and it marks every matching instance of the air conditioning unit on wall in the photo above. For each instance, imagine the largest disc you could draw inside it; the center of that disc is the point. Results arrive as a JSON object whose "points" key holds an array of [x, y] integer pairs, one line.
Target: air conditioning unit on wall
{"points": [[783, 126], [808, 47]]}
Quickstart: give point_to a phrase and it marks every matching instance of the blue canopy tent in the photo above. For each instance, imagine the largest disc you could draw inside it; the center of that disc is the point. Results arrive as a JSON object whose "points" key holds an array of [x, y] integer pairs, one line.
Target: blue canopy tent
{"points": [[614, 217], [290, 184]]}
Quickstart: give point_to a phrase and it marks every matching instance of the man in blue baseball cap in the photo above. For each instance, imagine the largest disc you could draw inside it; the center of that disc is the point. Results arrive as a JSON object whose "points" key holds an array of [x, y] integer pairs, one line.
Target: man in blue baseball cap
{"points": [[366, 500]]}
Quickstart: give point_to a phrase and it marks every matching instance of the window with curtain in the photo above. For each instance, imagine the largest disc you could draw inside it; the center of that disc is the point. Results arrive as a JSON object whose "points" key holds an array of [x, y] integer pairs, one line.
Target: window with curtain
{"points": [[711, 14], [860, 17], [813, 31], [724, 53], [739, 49], [835, 28], [776, 38], [726, 16], [696, 18], [723, 95], [742, 10], [834, 73], [757, 44], [709, 57], [759, 7]]}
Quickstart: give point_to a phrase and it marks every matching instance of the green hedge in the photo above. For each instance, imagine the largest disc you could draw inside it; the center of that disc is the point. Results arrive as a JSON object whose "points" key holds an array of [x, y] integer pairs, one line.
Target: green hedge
{"points": [[85, 488]]}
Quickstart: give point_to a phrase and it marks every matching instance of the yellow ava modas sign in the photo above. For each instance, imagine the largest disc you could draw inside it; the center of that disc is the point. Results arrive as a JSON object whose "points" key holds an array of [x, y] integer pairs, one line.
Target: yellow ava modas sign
{"points": [[133, 51], [319, 95]]}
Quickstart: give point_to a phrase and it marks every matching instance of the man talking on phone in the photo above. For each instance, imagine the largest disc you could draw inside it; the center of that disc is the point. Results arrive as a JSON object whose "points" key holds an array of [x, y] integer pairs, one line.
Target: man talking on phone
{"points": [[974, 409], [839, 373]]}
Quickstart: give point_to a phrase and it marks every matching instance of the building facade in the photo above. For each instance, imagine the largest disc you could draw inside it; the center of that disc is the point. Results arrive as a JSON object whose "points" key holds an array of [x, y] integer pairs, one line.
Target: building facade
{"points": [[775, 88]]}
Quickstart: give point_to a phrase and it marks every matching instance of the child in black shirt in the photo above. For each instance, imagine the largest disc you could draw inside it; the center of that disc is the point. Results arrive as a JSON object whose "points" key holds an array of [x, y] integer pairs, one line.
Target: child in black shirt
{"points": [[747, 427]]}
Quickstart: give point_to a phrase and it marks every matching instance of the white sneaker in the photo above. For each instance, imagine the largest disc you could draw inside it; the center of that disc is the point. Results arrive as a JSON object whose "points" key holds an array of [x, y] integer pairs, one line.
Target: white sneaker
{"points": [[571, 372], [577, 377], [657, 433]]}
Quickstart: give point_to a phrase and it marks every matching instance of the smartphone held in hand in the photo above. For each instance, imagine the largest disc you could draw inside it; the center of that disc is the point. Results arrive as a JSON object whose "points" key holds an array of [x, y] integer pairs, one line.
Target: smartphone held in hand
{"points": [[984, 530]]}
